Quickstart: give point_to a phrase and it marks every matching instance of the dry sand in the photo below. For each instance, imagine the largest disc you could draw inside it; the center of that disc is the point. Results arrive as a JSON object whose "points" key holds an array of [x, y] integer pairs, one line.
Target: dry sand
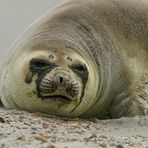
{"points": [[20, 129]]}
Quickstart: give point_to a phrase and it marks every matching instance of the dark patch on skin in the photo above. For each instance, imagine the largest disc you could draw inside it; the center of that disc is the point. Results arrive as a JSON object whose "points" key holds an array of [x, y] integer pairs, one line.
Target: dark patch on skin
{"points": [[69, 58], [29, 75], [82, 72], [37, 65], [41, 75], [72, 89], [80, 69], [51, 57], [42, 67]]}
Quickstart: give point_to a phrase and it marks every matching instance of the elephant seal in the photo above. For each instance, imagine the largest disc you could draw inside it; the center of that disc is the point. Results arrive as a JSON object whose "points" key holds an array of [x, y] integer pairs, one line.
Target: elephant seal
{"points": [[83, 59]]}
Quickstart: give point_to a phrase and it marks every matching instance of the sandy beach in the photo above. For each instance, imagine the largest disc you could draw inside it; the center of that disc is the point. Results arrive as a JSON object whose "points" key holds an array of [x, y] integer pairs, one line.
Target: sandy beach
{"points": [[20, 129]]}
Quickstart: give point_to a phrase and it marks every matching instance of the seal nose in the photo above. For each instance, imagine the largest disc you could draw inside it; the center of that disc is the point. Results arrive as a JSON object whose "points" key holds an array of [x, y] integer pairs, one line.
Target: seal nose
{"points": [[61, 80]]}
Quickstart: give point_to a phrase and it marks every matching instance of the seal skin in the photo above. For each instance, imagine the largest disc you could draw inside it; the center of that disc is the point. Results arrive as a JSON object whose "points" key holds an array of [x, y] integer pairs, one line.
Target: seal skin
{"points": [[84, 58]]}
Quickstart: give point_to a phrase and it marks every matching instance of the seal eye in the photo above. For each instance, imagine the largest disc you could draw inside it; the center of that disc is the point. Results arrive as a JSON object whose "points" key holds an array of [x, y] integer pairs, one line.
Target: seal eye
{"points": [[79, 68], [40, 64], [37, 65]]}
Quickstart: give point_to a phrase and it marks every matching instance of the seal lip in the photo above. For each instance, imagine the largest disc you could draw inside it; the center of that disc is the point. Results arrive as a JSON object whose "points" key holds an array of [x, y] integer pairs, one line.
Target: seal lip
{"points": [[60, 98]]}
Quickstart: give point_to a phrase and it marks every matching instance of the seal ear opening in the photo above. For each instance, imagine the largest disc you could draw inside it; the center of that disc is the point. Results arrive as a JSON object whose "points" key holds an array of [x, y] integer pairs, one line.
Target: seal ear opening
{"points": [[29, 76]]}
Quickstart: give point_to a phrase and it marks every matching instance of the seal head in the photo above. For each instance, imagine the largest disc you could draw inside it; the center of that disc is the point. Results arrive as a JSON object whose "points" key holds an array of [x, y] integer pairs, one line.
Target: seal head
{"points": [[53, 80], [59, 77]]}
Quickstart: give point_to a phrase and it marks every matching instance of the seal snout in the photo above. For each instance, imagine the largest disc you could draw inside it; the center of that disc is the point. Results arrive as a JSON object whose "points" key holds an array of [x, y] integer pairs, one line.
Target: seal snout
{"points": [[51, 87]]}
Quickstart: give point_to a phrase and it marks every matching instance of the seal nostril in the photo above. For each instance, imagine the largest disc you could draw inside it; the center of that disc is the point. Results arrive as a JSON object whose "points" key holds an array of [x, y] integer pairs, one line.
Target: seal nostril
{"points": [[61, 80]]}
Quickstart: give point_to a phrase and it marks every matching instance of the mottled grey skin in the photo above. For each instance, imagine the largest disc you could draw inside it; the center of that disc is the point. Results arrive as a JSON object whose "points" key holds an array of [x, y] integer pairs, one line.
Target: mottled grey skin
{"points": [[113, 36]]}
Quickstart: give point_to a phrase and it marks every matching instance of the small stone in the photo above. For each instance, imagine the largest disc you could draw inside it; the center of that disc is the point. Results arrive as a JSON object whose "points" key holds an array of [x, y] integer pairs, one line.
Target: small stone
{"points": [[34, 128], [2, 120], [50, 146], [141, 121], [73, 139], [45, 125], [119, 146], [94, 120], [43, 134], [93, 136], [103, 145], [33, 132], [20, 138], [27, 123], [3, 146], [40, 138], [104, 123], [14, 111], [112, 144]]}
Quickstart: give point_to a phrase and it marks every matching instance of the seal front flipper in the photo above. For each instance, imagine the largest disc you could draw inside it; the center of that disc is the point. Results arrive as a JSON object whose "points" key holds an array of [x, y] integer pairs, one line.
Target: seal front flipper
{"points": [[131, 102], [141, 96]]}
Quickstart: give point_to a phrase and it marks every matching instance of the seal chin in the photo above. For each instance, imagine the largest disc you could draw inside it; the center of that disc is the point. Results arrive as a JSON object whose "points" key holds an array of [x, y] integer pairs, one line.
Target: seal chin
{"points": [[58, 98]]}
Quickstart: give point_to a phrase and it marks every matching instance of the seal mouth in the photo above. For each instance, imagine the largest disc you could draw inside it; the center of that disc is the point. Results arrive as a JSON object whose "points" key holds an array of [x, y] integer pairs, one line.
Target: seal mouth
{"points": [[59, 98]]}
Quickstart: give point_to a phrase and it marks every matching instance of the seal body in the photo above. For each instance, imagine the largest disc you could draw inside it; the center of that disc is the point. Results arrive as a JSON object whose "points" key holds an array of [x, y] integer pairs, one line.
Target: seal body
{"points": [[84, 58]]}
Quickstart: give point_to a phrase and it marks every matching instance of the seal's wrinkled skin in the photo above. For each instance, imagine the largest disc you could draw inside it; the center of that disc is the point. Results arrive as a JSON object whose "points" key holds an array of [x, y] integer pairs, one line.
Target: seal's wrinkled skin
{"points": [[84, 58]]}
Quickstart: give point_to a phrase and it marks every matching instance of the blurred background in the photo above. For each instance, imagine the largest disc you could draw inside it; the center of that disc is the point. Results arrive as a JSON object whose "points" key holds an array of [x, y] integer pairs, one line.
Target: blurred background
{"points": [[16, 15]]}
